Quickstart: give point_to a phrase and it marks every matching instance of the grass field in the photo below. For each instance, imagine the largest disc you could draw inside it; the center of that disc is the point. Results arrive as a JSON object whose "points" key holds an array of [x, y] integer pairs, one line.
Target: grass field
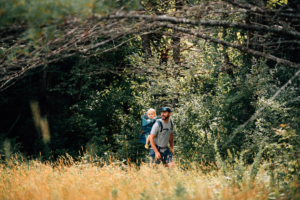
{"points": [[35, 180]]}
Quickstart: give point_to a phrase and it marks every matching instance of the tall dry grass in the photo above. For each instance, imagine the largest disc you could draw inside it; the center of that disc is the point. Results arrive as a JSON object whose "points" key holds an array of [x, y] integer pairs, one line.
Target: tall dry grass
{"points": [[35, 180]]}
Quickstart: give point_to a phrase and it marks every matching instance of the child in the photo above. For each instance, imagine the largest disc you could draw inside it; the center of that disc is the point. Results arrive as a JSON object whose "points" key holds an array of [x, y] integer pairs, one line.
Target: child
{"points": [[151, 115]]}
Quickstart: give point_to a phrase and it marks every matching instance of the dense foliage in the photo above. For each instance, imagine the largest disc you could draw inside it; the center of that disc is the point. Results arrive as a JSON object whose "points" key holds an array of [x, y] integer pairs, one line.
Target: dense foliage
{"points": [[234, 95]]}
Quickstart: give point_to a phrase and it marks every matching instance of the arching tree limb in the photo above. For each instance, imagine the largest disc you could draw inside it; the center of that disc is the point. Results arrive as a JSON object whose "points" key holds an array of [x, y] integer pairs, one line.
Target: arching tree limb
{"points": [[236, 46], [175, 20], [9, 80]]}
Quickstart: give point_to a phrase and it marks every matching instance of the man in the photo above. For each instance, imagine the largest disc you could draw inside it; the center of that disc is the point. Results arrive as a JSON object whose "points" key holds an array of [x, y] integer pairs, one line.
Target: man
{"points": [[162, 134]]}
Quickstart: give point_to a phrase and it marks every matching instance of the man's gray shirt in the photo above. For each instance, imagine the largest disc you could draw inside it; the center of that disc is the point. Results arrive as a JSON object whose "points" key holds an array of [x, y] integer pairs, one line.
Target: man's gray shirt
{"points": [[161, 138]]}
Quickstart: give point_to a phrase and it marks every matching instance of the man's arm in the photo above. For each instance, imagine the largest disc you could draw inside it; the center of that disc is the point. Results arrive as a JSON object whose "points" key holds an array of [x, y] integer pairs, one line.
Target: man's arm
{"points": [[171, 141], [157, 154]]}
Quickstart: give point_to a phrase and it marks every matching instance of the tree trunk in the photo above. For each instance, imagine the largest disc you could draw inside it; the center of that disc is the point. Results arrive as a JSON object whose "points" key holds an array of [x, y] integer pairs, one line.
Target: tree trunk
{"points": [[44, 97], [176, 49], [146, 45], [176, 37], [76, 97], [43, 104]]}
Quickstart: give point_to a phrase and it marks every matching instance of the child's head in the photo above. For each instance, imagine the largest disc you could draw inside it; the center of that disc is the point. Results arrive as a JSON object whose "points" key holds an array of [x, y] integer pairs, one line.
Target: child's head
{"points": [[151, 113]]}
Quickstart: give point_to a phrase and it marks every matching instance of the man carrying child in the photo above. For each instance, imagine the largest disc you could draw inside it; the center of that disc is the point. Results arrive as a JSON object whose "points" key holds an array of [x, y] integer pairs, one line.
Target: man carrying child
{"points": [[161, 134]]}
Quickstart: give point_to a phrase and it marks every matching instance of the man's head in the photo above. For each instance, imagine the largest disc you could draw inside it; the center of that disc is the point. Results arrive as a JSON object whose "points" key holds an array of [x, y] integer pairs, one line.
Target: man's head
{"points": [[165, 113], [151, 113]]}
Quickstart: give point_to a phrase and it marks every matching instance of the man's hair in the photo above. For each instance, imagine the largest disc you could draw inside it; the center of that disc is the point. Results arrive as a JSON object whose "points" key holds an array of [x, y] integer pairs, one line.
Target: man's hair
{"points": [[151, 109]]}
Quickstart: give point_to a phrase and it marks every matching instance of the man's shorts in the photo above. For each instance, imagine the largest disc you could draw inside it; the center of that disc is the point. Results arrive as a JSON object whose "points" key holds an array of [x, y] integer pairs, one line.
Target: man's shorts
{"points": [[166, 157]]}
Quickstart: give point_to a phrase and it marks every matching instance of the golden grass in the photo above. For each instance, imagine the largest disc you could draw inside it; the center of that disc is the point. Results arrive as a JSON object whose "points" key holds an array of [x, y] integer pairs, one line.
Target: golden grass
{"points": [[43, 181]]}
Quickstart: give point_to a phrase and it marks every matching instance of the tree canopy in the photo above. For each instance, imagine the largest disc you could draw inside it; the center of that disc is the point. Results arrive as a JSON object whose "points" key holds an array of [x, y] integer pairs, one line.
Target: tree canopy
{"points": [[90, 69], [37, 33]]}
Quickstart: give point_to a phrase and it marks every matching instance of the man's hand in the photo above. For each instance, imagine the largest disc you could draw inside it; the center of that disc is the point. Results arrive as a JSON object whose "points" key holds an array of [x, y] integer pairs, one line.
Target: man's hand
{"points": [[157, 155], [172, 151]]}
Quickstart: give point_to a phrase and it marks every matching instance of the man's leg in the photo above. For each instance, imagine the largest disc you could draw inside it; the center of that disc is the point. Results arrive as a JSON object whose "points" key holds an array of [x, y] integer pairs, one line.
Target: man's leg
{"points": [[168, 159], [153, 160]]}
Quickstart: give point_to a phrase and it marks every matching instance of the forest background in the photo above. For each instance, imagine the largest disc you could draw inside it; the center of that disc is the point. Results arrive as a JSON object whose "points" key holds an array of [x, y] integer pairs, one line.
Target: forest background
{"points": [[76, 77]]}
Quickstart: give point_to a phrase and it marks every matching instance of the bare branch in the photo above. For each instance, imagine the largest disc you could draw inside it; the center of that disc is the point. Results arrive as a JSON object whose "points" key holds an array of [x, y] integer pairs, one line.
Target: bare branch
{"points": [[175, 20], [58, 55], [261, 10], [117, 46], [236, 46]]}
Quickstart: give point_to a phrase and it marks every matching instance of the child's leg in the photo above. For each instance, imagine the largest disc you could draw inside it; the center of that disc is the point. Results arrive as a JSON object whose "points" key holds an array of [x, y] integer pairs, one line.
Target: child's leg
{"points": [[147, 142]]}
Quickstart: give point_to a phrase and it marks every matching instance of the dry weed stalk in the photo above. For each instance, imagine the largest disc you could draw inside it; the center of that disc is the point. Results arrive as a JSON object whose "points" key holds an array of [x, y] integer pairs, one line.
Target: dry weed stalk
{"points": [[66, 179]]}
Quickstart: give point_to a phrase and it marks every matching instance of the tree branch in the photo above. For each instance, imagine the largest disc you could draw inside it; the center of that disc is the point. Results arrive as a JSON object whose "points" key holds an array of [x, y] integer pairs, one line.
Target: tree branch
{"points": [[261, 10], [236, 46], [46, 60], [175, 20]]}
